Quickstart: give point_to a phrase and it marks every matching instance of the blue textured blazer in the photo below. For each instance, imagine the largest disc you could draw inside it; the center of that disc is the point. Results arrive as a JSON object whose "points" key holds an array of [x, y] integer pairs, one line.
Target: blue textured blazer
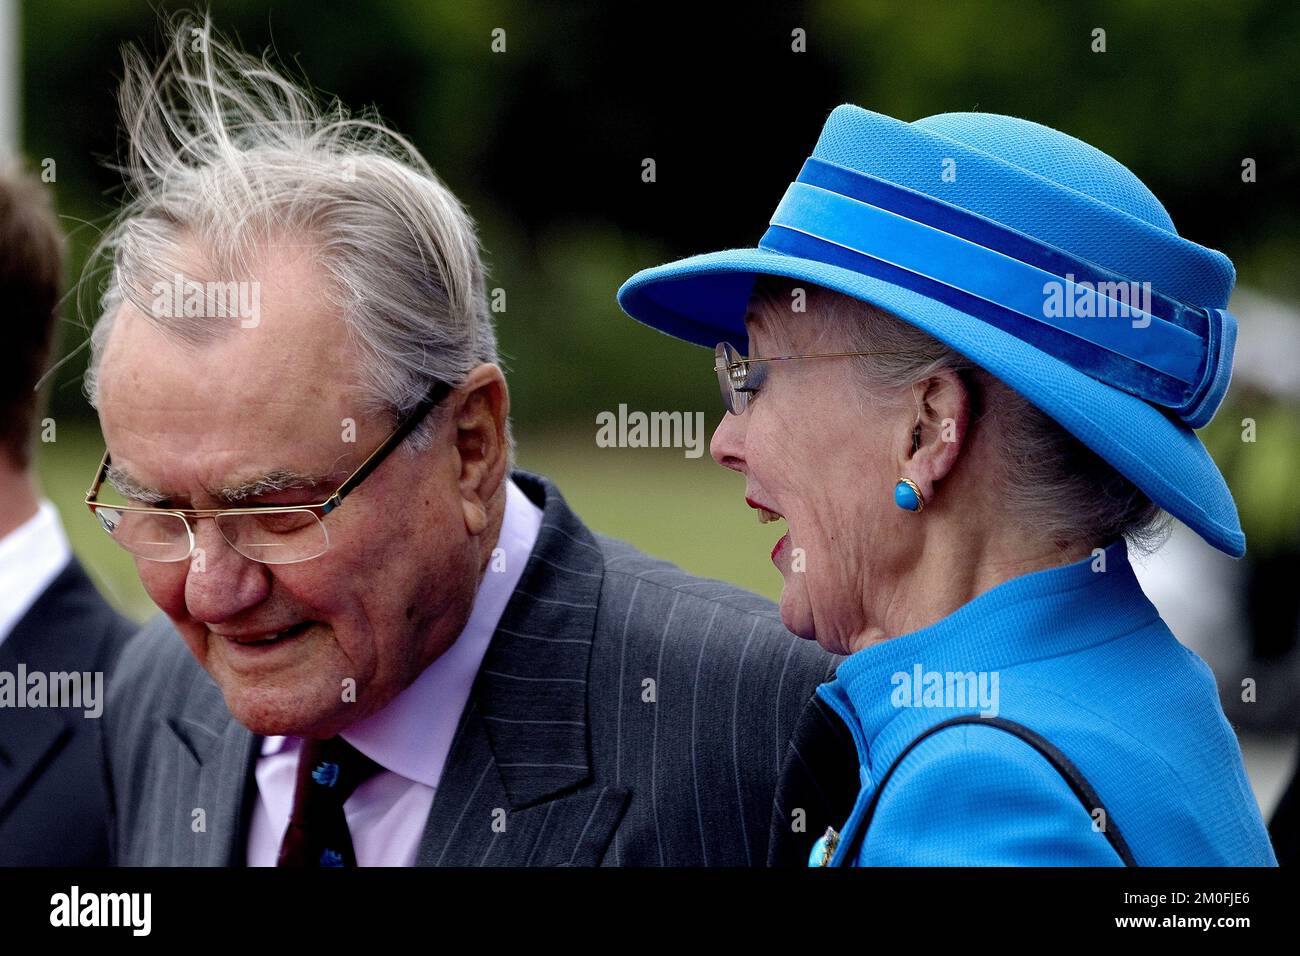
{"points": [[1080, 656]]}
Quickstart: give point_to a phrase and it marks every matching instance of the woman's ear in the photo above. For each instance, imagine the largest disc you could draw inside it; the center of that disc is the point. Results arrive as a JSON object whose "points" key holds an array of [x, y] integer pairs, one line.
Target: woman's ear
{"points": [[937, 434], [481, 413]]}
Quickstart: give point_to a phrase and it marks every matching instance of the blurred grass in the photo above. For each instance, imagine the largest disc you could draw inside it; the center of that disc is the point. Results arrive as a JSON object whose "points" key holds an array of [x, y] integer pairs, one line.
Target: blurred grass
{"points": [[688, 511]]}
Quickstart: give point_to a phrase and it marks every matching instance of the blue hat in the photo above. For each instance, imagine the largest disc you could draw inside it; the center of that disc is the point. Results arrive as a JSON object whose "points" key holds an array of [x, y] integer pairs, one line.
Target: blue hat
{"points": [[1036, 256]]}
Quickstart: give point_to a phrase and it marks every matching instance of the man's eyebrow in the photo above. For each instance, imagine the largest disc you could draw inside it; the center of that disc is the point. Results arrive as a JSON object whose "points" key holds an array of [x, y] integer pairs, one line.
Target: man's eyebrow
{"points": [[281, 479], [128, 487]]}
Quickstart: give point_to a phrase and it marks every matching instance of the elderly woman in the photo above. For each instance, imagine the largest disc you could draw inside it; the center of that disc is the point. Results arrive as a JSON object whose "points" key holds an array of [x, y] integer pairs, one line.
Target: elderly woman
{"points": [[977, 353]]}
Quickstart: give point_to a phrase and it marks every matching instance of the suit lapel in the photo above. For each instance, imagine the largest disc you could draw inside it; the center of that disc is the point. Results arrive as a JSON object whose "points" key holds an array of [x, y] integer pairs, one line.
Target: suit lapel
{"points": [[29, 740], [215, 761], [31, 737], [518, 789]]}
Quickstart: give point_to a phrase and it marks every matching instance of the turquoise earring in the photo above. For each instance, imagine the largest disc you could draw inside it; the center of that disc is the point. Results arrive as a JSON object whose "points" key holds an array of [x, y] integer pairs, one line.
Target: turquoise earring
{"points": [[908, 496]]}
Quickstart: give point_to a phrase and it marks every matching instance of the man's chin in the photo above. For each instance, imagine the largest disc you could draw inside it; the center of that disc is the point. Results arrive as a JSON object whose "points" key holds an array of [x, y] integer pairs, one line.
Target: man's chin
{"points": [[274, 714]]}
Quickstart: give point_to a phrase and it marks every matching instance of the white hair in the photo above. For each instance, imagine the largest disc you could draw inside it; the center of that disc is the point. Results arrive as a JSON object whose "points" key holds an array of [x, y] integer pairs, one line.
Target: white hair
{"points": [[226, 154]]}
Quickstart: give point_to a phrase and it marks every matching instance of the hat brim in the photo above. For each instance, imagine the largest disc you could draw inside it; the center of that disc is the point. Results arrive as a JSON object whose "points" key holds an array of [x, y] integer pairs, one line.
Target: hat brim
{"points": [[703, 299]]}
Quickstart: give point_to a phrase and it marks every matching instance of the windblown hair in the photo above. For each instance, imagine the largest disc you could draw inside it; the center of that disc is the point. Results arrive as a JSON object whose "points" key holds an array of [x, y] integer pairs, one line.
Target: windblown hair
{"points": [[225, 154], [1054, 485]]}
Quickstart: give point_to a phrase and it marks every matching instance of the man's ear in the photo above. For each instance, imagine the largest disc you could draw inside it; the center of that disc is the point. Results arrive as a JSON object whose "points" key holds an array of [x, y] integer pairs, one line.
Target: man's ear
{"points": [[479, 418], [937, 432]]}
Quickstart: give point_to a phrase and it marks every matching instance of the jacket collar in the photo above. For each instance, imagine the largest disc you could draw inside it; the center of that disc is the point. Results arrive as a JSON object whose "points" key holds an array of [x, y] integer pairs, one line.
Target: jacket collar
{"points": [[1034, 616], [532, 688]]}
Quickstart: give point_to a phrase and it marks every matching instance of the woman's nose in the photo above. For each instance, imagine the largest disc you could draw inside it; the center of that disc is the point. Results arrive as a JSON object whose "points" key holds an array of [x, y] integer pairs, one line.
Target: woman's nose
{"points": [[728, 444]]}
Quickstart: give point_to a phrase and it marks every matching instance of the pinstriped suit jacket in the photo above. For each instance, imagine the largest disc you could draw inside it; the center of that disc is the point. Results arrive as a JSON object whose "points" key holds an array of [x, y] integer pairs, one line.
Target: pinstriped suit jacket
{"points": [[626, 714]]}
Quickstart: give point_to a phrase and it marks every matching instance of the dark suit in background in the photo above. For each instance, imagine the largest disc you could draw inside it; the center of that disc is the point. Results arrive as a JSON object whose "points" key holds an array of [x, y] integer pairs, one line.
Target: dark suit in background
{"points": [[53, 799]]}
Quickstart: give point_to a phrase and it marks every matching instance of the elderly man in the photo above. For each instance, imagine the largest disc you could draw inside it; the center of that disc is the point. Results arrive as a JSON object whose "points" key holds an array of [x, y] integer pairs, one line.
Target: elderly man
{"points": [[381, 645]]}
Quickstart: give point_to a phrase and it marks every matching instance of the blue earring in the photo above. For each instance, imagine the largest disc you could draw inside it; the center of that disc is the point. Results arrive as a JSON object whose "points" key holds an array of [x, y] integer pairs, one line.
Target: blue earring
{"points": [[908, 496]]}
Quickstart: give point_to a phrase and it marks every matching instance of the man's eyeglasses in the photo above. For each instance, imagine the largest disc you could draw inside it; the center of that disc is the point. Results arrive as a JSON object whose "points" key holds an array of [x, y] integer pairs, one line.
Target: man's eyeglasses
{"points": [[271, 534], [740, 377]]}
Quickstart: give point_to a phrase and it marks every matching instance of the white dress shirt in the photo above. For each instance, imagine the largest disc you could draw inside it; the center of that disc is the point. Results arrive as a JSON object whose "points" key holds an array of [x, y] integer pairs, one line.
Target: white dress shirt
{"points": [[31, 557], [411, 736]]}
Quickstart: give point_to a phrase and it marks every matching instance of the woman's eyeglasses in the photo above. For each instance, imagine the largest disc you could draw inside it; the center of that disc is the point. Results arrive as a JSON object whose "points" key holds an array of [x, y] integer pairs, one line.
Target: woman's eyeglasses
{"points": [[740, 377]]}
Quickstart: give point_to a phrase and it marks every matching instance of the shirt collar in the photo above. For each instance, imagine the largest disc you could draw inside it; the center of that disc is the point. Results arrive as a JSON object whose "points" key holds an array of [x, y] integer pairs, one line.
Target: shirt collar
{"points": [[1031, 617], [31, 557], [412, 734]]}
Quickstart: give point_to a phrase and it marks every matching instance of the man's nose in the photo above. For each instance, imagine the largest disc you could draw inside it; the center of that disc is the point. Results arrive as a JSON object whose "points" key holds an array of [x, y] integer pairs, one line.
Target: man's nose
{"points": [[728, 444], [221, 582]]}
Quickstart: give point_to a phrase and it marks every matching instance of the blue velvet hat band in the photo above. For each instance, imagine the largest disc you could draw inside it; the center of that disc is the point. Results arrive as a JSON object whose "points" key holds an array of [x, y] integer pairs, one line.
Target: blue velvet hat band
{"points": [[1113, 328]]}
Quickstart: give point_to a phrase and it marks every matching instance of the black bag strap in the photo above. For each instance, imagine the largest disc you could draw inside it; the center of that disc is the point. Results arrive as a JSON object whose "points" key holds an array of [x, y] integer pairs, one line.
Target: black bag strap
{"points": [[1078, 783]]}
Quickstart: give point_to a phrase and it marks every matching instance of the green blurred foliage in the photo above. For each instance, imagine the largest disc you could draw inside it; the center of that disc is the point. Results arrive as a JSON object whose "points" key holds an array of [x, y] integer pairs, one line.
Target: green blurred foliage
{"points": [[544, 142]]}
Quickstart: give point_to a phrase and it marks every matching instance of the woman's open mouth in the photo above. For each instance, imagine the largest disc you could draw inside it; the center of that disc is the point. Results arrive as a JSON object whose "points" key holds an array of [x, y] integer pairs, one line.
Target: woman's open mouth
{"points": [[766, 516]]}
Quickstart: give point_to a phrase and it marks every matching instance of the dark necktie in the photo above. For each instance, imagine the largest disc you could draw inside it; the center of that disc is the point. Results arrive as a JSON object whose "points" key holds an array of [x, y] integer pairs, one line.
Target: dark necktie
{"points": [[328, 772]]}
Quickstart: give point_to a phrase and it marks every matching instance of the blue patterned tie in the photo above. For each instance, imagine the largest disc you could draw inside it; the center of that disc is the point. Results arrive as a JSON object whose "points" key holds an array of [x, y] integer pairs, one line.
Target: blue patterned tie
{"points": [[328, 772]]}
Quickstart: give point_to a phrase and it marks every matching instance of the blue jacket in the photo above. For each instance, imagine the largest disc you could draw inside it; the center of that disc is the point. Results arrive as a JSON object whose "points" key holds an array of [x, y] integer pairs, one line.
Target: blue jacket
{"points": [[1079, 655]]}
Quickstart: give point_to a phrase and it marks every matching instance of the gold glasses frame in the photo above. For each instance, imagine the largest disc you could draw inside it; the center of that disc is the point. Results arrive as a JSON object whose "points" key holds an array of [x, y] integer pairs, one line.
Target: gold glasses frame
{"points": [[436, 394]]}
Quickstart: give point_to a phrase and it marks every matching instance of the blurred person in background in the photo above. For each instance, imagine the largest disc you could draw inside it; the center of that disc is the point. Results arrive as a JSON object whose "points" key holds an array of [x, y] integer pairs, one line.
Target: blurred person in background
{"points": [[381, 645], [966, 364], [53, 803]]}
